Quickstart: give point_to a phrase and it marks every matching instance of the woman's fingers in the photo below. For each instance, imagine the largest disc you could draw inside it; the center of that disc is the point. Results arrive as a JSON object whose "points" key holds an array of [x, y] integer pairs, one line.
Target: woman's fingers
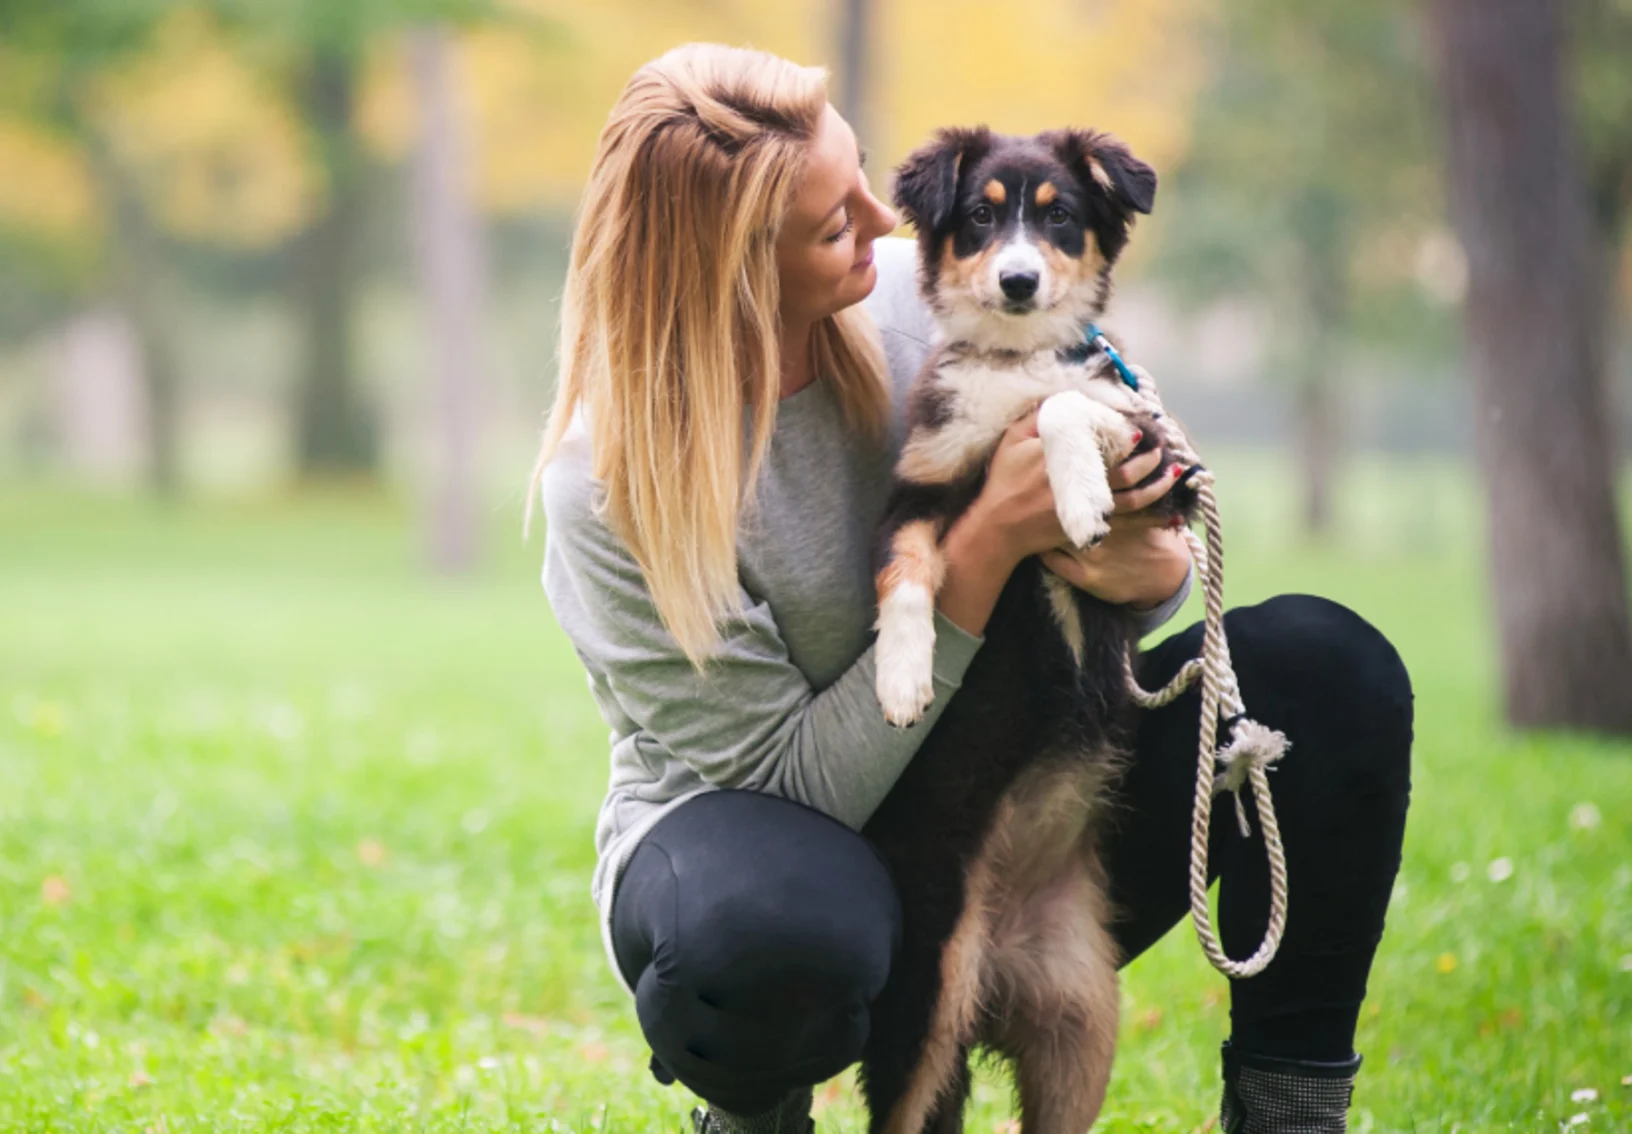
{"points": [[1134, 469], [1135, 499], [1141, 520], [1026, 424]]}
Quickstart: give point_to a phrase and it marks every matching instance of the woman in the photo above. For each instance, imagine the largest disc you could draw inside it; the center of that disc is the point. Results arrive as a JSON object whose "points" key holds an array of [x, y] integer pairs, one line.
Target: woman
{"points": [[714, 338]]}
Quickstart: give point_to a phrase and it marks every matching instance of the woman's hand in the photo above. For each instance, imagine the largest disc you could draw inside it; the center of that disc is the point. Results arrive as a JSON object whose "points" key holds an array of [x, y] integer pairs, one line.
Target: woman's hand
{"points": [[1139, 562], [1144, 560]]}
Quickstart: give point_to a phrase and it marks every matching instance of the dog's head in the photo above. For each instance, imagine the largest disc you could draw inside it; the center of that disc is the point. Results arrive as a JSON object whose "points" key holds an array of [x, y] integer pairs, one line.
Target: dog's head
{"points": [[1017, 236]]}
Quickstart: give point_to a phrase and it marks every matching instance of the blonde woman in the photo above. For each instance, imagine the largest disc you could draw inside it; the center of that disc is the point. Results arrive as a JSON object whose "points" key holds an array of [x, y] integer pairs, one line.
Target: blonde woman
{"points": [[715, 462]]}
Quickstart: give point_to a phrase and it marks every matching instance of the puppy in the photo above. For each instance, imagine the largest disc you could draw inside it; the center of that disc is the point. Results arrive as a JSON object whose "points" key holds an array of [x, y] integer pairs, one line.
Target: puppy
{"points": [[990, 831]]}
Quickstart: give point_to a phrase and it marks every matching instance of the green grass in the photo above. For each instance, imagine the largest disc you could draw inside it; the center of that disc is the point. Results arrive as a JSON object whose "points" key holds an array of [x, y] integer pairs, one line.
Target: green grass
{"points": [[295, 838]]}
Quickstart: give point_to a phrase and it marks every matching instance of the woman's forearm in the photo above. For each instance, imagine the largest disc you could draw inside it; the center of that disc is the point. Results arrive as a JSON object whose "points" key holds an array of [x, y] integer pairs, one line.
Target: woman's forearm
{"points": [[978, 564]]}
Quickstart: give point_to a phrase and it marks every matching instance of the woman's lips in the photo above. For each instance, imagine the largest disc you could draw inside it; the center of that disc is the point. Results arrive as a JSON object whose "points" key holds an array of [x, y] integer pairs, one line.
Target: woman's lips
{"points": [[863, 263]]}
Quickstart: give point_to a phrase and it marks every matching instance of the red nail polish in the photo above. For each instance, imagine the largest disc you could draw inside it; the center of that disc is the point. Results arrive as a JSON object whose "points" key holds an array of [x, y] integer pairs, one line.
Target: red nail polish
{"points": [[1138, 436], [1174, 470]]}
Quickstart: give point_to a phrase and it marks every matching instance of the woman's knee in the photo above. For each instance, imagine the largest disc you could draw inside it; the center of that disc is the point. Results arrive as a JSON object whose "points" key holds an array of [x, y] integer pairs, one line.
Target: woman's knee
{"points": [[791, 941], [741, 1022], [1333, 673]]}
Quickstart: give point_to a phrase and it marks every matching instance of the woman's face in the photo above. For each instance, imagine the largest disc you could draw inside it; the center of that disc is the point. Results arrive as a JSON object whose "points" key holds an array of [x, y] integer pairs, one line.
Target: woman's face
{"points": [[825, 249]]}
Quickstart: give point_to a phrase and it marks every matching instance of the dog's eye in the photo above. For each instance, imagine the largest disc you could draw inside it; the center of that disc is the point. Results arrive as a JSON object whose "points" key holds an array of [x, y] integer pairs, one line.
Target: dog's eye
{"points": [[1057, 215], [981, 214]]}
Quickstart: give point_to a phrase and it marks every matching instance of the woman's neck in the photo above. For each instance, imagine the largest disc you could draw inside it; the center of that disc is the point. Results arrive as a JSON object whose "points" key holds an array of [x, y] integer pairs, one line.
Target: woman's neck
{"points": [[797, 369]]}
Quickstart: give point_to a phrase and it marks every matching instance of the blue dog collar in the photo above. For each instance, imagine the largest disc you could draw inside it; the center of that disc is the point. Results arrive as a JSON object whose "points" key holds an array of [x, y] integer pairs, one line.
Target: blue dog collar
{"points": [[1095, 337]]}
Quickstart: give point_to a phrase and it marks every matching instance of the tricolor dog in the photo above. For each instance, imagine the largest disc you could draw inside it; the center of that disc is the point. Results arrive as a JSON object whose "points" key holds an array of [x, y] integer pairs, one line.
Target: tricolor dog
{"points": [[991, 830]]}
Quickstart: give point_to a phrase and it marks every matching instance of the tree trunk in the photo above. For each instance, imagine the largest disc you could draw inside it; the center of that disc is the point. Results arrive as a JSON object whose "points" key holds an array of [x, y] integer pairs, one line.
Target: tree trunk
{"points": [[855, 93], [142, 293], [1318, 222], [336, 432], [1610, 189], [447, 245], [1317, 446], [1517, 202]]}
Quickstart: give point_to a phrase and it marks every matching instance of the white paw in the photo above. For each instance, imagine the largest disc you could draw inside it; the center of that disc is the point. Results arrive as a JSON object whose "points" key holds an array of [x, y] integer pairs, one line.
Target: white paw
{"points": [[1085, 510], [905, 656]]}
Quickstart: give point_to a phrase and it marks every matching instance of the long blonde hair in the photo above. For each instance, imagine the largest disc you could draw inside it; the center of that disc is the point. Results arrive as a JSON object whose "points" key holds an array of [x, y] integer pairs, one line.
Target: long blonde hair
{"points": [[669, 321]]}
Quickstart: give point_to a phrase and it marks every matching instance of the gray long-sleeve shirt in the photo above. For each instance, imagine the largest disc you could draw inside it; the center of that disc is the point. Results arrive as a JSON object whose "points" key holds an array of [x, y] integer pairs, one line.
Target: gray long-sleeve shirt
{"points": [[787, 705]]}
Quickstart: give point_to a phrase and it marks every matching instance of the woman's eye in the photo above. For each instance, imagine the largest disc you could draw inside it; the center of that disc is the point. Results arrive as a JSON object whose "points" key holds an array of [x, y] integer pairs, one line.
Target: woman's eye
{"points": [[849, 222], [982, 214], [1057, 215]]}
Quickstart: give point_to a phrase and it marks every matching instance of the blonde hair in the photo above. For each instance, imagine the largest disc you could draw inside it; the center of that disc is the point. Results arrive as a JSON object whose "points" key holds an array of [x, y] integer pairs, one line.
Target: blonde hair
{"points": [[669, 321]]}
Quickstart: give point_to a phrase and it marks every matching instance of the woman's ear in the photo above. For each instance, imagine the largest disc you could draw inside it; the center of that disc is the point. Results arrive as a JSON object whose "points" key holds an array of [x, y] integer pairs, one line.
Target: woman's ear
{"points": [[926, 183]]}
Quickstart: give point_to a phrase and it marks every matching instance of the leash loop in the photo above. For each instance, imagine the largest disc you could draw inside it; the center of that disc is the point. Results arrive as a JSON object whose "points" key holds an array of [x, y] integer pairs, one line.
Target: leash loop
{"points": [[1249, 748]]}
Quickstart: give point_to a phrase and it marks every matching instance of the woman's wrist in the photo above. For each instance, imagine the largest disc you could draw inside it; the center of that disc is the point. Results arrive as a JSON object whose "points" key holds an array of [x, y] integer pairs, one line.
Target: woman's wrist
{"points": [[979, 559]]}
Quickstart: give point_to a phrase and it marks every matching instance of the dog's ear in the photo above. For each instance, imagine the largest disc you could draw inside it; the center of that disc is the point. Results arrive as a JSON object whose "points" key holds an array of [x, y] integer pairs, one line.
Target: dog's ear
{"points": [[926, 183], [1129, 182]]}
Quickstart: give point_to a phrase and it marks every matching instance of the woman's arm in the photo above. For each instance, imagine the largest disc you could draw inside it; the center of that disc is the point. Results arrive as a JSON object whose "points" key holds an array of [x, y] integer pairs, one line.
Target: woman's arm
{"points": [[751, 719]]}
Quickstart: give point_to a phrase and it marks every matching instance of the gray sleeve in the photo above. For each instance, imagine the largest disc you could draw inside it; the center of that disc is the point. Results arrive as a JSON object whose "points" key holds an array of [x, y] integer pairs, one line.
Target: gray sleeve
{"points": [[751, 719], [1157, 616]]}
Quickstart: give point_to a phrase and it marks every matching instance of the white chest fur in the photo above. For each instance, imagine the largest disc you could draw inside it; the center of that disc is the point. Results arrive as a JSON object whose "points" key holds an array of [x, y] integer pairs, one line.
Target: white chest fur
{"points": [[984, 393]]}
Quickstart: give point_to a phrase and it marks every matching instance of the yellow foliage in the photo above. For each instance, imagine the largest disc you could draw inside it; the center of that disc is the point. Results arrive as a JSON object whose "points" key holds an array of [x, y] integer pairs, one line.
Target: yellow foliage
{"points": [[538, 97], [1132, 67], [221, 155], [47, 188], [217, 151], [537, 100]]}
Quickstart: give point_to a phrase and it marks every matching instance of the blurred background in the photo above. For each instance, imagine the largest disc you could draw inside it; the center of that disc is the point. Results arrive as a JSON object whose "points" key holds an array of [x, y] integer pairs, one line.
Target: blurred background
{"points": [[245, 247], [244, 244], [296, 761]]}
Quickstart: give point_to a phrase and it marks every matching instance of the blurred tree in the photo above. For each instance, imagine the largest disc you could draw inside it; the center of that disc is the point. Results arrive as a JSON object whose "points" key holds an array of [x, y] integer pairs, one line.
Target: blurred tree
{"points": [[130, 125], [1309, 151], [1602, 44], [55, 58], [318, 49], [854, 97], [448, 249], [1517, 197]]}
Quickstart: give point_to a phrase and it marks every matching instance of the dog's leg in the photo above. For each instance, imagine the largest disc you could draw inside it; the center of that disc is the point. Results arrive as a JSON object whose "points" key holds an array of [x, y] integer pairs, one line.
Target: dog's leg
{"points": [[1081, 437], [948, 1116], [905, 655], [940, 1071], [1057, 968], [1062, 601]]}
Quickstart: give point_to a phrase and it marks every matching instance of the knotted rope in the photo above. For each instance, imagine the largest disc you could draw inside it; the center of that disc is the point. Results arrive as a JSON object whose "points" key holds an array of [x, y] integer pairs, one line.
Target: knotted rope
{"points": [[1249, 747]]}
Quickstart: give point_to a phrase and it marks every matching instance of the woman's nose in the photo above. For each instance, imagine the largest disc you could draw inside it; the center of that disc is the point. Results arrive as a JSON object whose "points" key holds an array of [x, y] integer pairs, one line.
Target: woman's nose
{"points": [[887, 220]]}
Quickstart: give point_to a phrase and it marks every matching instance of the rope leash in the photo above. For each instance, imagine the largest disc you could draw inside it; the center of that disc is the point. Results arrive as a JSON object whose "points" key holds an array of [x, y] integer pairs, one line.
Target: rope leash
{"points": [[1249, 747]]}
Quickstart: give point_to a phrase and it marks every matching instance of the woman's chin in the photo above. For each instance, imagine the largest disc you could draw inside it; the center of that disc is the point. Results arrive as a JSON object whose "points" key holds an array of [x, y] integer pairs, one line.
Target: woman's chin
{"points": [[861, 281]]}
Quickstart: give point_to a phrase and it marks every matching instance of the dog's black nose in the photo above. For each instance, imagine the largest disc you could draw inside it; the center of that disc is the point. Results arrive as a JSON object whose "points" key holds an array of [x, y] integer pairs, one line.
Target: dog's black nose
{"points": [[1018, 285]]}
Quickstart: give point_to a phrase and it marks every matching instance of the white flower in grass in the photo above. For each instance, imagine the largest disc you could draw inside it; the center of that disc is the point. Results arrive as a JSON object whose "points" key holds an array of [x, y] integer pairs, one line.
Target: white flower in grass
{"points": [[488, 1063], [1460, 871], [1499, 870], [1575, 1120], [1585, 816], [1585, 1094]]}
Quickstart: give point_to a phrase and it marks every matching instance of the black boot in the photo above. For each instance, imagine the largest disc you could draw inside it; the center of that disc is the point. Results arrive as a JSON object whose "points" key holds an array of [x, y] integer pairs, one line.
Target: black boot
{"points": [[790, 1116], [1265, 1095]]}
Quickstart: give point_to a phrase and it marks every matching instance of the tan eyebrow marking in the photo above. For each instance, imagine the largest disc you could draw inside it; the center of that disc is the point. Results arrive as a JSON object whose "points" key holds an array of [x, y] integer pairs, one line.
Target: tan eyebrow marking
{"points": [[1046, 192], [995, 193]]}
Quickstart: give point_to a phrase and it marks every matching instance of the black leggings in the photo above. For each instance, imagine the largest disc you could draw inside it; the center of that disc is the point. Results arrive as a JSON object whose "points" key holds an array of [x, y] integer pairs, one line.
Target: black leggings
{"points": [[756, 931]]}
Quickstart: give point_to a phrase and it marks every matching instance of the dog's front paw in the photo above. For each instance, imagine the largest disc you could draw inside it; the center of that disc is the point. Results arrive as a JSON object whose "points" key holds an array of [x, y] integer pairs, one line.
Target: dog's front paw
{"points": [[905, 657], [1085, 511]]}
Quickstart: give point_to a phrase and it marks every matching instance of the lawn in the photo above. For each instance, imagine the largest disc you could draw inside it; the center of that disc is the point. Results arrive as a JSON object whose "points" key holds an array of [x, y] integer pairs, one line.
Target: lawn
{"points": [[296, 838]]}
